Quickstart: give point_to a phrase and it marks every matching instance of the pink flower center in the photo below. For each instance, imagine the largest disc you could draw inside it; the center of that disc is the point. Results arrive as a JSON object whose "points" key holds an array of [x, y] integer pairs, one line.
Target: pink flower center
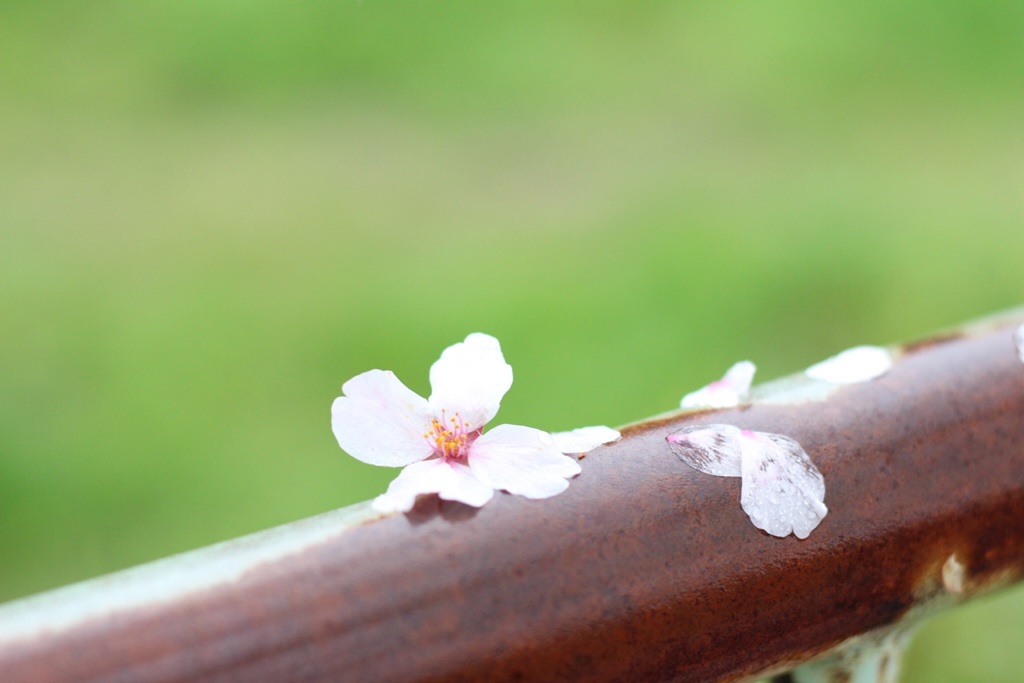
{"points": [[450, 437]]}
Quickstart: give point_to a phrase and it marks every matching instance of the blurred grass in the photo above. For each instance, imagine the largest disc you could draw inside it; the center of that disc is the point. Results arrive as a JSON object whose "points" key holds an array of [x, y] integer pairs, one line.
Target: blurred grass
{"points": [[213, 213]]}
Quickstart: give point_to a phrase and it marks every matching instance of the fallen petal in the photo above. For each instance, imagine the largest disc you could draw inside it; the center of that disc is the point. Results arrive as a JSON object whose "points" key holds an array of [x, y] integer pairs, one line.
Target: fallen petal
{"points": [[859, 364], [584, 439], [724, 393], [1020, 343], [711, 449], [783, 492]]}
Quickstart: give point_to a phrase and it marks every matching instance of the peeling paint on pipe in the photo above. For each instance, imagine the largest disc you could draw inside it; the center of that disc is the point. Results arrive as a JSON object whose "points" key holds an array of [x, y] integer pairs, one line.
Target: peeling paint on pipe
{"points": [[644, 570]]}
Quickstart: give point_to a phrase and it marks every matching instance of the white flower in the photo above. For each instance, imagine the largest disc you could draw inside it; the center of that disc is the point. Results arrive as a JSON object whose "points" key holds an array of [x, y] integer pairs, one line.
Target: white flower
{"points": [[781, 490], [440, 441], [859, 364], [724, 393]]}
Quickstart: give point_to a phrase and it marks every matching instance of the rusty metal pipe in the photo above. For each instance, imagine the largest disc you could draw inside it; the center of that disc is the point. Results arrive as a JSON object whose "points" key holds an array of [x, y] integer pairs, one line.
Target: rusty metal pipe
{"points": [[644, 570]]}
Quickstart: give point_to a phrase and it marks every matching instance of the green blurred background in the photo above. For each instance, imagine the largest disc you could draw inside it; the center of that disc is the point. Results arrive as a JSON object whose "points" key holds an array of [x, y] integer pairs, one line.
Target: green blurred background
{"points": [[212, 213]]}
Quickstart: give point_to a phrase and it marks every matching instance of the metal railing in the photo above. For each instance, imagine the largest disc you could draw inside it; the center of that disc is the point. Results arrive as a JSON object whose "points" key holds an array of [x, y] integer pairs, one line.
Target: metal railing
{"points": [[644, 570]]}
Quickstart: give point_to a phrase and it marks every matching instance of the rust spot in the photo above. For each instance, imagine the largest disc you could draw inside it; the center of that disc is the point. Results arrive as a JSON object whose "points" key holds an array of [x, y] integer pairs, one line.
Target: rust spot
{"points": [[665, 422], [581, 456], [929, 342]]}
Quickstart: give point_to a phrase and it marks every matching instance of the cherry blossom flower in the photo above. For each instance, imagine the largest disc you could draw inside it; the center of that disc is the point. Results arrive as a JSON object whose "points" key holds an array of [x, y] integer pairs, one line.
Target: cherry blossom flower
{"points": [[440, 441], [723, 393], [859, 364], [781, 490]]}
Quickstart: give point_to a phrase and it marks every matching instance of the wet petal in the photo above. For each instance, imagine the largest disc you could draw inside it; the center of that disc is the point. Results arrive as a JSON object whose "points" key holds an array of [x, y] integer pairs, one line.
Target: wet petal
{"points": [[470, 378], [584, 439], [712, 449], [724, 393], [783, 492], [521, 460], [450, 480], [859, 364], [381, 421]]}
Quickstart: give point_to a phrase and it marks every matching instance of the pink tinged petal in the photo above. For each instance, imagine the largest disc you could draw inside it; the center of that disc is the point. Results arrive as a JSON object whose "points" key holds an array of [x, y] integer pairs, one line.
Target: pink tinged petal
{"points": [[584, 439], [724, 393], [450, 480], [783, 492], [712, 449], [381, 421], [521, 460], [470, 379], [859, 364], [1019, 337], [740, 376]]}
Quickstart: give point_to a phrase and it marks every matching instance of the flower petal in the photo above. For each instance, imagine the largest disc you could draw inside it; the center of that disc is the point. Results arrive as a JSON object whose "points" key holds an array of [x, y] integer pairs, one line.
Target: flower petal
{"points": [[712, 449], [470, 378], [450, 480], [783, 492], [381, 421], [724, 393], [584, 439], [859, 364], [521, 460], [1019, 337]]}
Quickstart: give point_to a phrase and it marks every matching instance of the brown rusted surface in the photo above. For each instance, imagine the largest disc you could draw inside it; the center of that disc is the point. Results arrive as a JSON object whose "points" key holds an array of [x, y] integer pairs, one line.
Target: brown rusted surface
{"points": [[644, 570], [935, 340]]}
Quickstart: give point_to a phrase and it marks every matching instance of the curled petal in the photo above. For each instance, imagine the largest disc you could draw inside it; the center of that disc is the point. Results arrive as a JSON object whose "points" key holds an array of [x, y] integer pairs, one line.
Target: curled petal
{"points": [[381, 421], [521, 460], [584, 439], [783, 492], [711, 449], [740, 376], [470, 378], [859, 364], [450, 480], [724, 393]]}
